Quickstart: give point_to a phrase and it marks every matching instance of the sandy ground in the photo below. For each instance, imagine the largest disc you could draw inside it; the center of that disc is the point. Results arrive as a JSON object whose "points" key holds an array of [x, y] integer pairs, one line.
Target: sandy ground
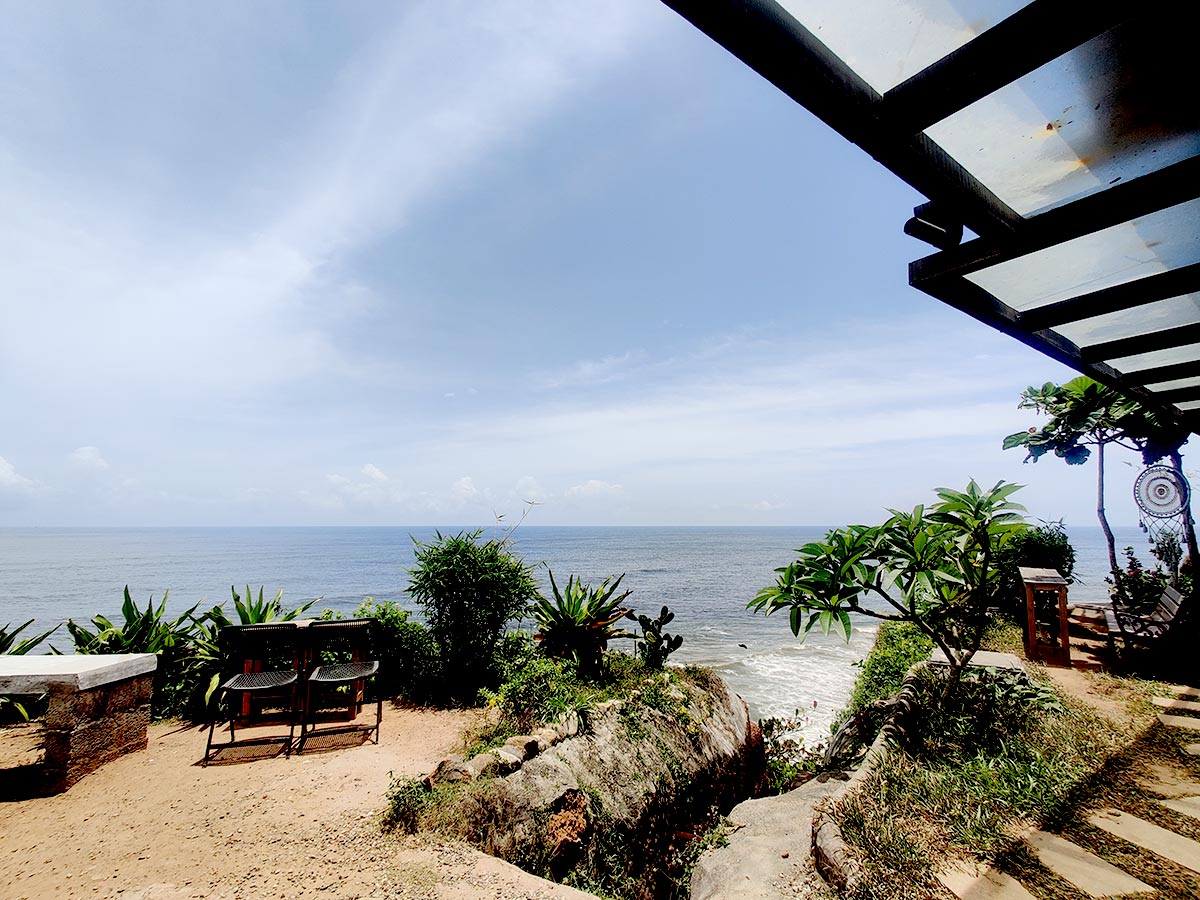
{"points": [[155, 825]]}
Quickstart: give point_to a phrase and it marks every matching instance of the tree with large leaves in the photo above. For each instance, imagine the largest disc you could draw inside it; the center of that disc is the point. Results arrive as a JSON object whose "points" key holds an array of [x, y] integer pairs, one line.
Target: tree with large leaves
{"points": [[1085, 414], [935, 567]]}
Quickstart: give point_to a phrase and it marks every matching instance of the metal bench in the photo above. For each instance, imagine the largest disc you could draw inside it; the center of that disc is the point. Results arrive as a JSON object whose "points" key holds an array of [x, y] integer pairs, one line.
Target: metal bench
{"points": [[99, 708], [1144, 629]]}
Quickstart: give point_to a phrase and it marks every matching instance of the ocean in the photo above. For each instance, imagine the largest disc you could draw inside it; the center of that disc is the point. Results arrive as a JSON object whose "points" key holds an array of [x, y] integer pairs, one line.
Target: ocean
{"points": [[706, 575]]}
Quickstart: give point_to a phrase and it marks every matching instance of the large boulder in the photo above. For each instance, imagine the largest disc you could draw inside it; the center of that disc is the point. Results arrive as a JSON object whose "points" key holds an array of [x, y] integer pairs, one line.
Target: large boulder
{"points": [[618, 798]]}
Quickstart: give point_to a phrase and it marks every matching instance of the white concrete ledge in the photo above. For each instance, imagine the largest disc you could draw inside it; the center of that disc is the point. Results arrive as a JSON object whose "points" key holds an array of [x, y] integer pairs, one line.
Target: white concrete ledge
{"points": [[36, 674]]}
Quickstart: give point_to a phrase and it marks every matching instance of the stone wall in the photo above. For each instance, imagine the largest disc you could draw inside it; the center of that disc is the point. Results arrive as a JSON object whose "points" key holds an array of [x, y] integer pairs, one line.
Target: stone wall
{"points": [[86, 728]]}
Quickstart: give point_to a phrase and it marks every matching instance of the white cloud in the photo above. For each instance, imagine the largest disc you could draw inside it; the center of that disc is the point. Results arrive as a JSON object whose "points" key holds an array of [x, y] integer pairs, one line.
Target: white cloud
{"points": [[464, 490], [529, 489], [593, 488], [89, 458], [374, 473], [767, 505], [592, 372], [11, 479]]}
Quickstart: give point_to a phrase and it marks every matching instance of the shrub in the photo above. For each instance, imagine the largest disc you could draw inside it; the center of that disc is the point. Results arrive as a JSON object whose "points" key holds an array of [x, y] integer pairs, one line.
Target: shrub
{"points": [[469, 589], [789, 763], [1135, 587], [406, 652], [1044, 546], [148, 631], [10, 707], [578, 622]]}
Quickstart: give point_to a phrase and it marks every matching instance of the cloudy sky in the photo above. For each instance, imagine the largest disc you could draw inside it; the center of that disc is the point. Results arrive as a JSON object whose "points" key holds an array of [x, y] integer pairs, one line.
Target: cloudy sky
{"points": [[281, 263]]}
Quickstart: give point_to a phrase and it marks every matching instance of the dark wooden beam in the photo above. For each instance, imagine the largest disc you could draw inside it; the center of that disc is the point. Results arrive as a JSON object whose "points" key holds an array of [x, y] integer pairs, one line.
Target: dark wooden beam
{"points": [[1025, 41], [978, 303], [1150, 289], [1160, 374], [766, 38], [1178, 395], [1141, 196], [1141, 343]]}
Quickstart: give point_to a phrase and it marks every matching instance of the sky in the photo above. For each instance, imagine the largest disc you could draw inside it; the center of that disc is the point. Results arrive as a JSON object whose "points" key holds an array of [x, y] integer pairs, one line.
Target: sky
{"points": [[425, 263]]}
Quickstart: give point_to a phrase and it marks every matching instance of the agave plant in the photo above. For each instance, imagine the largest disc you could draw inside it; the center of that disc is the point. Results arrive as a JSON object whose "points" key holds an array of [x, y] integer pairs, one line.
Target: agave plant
{"points": [[10, 646], [577, 623]]}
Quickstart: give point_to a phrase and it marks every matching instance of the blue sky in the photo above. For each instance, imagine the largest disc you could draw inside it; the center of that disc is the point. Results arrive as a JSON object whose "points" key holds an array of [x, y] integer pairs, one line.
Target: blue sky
{"points": [[283, 263]]}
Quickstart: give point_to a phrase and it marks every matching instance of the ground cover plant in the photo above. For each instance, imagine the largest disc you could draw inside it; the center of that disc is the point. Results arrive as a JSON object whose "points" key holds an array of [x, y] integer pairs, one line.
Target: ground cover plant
{"points": [[1003, 753]]}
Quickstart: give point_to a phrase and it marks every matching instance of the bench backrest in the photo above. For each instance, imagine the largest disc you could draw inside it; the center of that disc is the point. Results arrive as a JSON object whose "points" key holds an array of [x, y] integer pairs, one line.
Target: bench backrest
{"points": [[1168, 605]]}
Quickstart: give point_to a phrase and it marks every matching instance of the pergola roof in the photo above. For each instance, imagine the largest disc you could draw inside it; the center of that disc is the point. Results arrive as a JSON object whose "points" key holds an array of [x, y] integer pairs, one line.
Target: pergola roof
{"points": [[1066, 136]]}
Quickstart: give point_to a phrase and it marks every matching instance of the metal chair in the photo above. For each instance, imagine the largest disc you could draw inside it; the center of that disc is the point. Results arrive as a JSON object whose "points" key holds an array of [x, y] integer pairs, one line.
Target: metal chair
{"points": [[261, 663], [339, 654]]}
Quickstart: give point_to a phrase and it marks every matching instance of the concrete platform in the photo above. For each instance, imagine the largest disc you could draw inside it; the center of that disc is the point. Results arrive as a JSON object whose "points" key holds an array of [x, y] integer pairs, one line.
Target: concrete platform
{"points": [[988, 659]]}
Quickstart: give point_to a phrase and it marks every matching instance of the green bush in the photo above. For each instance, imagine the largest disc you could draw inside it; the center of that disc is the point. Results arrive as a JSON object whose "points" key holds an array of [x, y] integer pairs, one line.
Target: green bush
{"points": [[148, 631], [406, 652], [1044, 546], [898, 646], [10, 707], [469, 589]]}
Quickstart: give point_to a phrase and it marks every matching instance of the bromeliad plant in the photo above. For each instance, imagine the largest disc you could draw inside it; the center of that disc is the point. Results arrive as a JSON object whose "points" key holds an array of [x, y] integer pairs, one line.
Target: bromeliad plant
{"points": [[935, 567], [577, 623], [655, 645]]}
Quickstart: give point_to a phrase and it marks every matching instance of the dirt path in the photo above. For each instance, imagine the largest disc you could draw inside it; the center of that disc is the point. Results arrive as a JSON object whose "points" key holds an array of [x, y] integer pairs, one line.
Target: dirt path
{"points": [[154, 825]]}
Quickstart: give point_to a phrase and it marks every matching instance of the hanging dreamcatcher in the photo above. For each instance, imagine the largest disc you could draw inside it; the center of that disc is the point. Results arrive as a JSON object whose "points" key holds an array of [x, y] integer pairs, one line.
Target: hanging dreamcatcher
{"points": [[1163, 495]]}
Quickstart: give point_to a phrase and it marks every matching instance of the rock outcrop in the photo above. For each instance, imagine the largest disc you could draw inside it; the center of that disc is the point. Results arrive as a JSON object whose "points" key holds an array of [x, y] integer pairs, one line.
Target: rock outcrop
{"points": [[615, 800]]}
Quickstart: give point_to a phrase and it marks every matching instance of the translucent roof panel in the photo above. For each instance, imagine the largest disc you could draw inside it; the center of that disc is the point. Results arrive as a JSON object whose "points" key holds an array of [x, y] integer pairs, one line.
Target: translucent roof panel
{"points": [[1152, 317], [1154, 358], [1077, 125], [1175, 385], [888, 41], [1155, 243]]}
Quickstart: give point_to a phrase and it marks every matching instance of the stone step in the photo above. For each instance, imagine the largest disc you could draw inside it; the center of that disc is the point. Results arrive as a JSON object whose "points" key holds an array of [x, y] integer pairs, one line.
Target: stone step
{"points": [[1182, 705], [1185, 722], [1149, 836], [966, 882], [1183, 690], [1191, 749], [1168, 782], [1085, 870], [1189, 806]]}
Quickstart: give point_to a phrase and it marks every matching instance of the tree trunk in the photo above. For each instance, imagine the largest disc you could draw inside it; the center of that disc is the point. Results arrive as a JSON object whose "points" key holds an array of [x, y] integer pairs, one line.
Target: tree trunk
{"points": [[1108, 535]]}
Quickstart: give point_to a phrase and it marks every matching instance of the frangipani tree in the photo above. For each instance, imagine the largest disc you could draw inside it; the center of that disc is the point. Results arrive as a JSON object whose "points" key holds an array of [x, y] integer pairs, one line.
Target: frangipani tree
{"points": [[935, 567], [1085, 414]]}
